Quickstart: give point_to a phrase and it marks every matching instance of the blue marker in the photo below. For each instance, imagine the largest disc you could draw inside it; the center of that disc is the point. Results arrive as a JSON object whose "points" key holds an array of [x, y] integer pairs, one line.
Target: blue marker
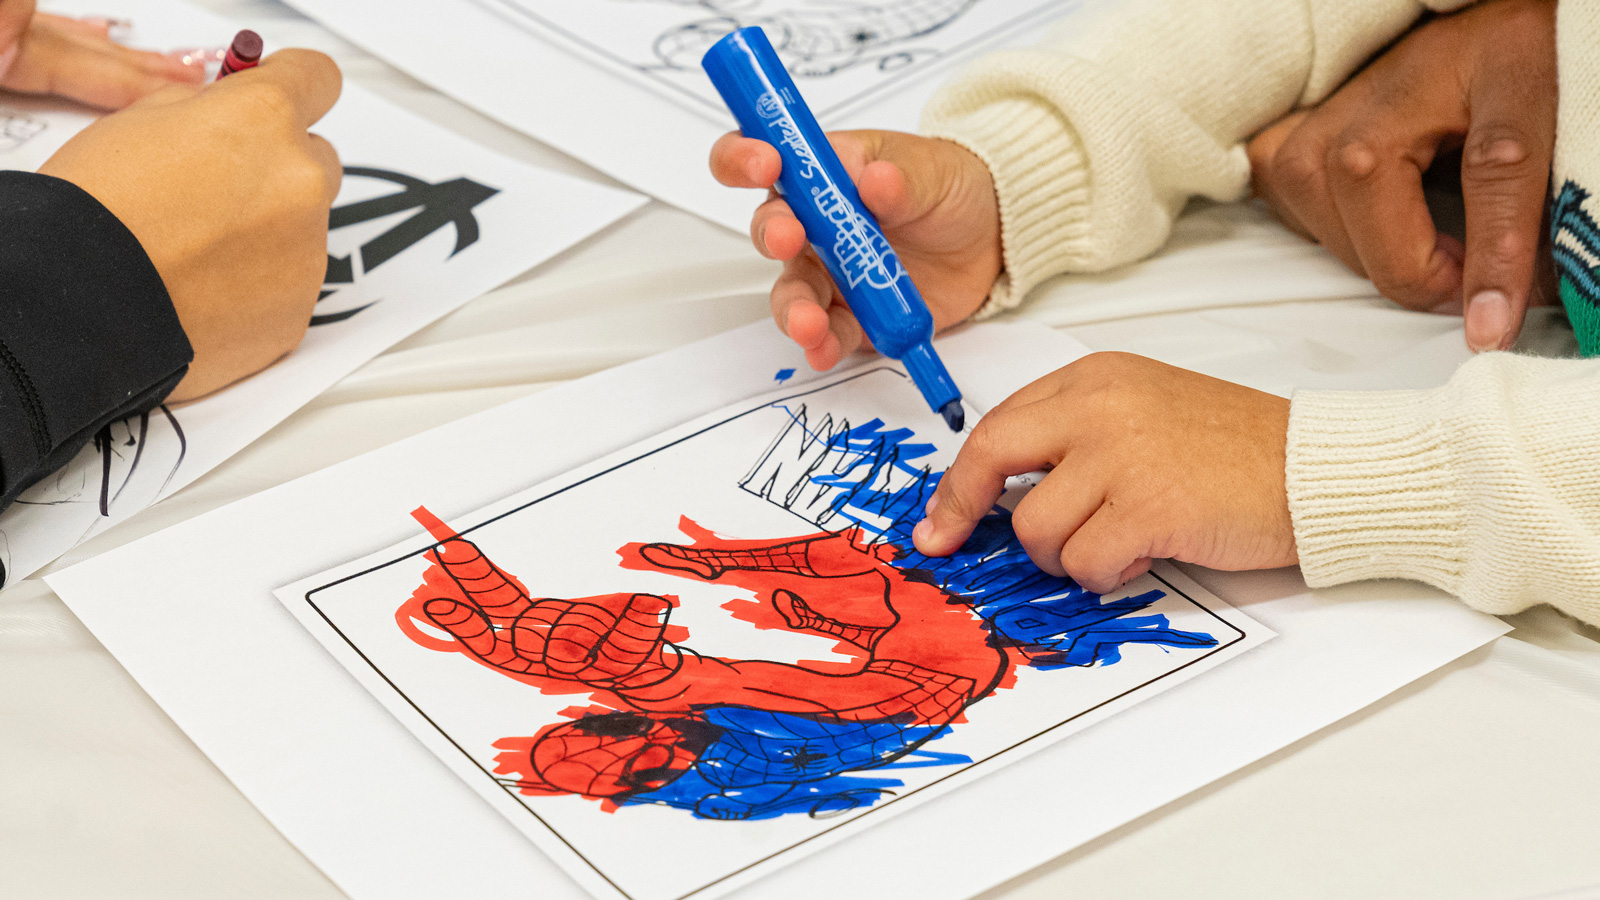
{"points": [[755, 85]]}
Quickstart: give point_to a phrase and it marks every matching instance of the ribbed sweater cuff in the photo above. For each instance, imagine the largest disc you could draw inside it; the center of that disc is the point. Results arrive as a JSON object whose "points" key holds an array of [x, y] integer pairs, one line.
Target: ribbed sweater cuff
{"points": [[1372, 489], [1042, 183]]}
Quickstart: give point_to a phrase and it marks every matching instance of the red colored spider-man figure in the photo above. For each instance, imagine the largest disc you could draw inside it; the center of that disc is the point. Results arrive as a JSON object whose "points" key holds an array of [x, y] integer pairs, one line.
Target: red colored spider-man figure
{"points": [[726, 738]]}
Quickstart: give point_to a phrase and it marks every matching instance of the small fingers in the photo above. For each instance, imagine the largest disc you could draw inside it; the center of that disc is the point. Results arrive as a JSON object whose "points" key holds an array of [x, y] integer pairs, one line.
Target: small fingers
{"points": [[801, 301], [1001, 445], [1105, 553], [1049, 515], [775, 231], [741, 162], [846, 331], [884, 190]]}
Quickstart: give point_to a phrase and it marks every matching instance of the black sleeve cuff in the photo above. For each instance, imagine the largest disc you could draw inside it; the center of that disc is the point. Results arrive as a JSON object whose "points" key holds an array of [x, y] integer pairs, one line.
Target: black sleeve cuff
{"points": [[88, 334]]}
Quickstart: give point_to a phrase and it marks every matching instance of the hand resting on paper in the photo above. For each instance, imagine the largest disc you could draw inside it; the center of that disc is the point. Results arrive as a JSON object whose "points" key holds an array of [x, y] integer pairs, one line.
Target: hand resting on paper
{"points": [[77, 59], [1148, 462], [229, 195], [935, 201], [1348, 173]]}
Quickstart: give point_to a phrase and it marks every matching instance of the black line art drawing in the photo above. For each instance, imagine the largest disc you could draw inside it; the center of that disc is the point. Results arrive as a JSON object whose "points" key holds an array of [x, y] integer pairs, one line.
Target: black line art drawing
{"points": [[842, 52], [432, 207], [658, 718], [818, 38]]}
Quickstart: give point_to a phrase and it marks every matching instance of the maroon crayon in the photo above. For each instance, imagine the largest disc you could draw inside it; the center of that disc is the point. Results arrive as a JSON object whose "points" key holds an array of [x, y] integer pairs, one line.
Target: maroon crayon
{"points": [[243, 53]]}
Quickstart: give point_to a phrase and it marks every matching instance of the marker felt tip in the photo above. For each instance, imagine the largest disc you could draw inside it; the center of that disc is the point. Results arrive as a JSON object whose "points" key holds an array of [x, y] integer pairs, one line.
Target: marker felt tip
{"points": [[243, 53], [753, 82]]}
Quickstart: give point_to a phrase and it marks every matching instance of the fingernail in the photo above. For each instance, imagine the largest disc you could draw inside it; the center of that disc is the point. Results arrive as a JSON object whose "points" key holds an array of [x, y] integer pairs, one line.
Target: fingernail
{"points": [[1448, 308], [923, 533], [1488, 320], [1504, 152], [932, 502], [197, 57]]}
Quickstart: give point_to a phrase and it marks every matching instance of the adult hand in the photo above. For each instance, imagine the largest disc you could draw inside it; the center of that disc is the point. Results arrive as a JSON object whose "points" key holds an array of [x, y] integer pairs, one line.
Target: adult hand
{"points": [[77, 59], [1147, 462], [935, 201], [229, 195], [1348, 173]]}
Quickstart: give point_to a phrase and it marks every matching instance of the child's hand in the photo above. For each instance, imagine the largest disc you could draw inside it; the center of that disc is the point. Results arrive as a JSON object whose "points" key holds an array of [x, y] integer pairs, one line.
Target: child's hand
{"points": [[1348, 173], [935, 201], [77, 59], [1149, 462], [229, 195]]}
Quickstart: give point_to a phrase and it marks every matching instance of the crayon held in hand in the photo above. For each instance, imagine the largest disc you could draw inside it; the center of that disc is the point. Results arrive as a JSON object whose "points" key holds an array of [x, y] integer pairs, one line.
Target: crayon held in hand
{"points": [[753, 82], [243, 53]]}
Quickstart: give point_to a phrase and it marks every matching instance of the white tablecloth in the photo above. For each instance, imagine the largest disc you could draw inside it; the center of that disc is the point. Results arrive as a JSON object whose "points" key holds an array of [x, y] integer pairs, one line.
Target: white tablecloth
{"points": [[1480, 781]]}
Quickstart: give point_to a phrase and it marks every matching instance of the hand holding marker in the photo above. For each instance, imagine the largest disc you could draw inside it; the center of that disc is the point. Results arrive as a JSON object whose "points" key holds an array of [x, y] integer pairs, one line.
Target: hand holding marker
{"points": [[753, 82]]}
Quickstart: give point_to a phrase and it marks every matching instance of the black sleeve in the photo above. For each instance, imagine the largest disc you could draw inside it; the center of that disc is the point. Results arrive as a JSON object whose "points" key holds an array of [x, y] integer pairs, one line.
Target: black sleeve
{"points": [[88, 334]]}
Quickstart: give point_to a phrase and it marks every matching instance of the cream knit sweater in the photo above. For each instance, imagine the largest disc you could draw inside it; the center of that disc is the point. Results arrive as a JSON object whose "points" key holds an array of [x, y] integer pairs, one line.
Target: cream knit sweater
{"points": [[1488, 487]]}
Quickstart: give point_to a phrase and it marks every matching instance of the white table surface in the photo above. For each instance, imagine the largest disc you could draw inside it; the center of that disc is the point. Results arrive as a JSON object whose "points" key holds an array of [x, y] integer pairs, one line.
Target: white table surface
{"points": [[1479, 781]]}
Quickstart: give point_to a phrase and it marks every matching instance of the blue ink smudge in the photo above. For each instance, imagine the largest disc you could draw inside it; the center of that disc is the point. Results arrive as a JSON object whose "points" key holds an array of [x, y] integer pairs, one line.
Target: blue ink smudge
{"points": [[783, 375]]}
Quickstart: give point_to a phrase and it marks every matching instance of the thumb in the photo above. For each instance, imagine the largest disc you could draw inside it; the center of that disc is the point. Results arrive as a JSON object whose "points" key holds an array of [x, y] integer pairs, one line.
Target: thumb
{"points": [[1505, 172], [901, 177]]}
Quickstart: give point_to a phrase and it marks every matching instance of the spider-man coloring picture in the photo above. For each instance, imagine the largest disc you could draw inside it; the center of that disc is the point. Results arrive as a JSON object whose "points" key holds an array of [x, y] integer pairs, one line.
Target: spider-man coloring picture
{"points": [[730, 629]]}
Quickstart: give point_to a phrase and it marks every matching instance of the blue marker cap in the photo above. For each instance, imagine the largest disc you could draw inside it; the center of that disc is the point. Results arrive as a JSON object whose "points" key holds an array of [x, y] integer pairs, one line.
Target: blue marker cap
{"points": [[757, 88]]}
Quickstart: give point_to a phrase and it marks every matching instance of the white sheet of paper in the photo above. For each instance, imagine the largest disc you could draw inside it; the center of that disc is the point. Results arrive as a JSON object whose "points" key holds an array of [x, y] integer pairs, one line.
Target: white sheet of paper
{"points": [[599, 78], [425, 221], [277, 713], [804, 720]]}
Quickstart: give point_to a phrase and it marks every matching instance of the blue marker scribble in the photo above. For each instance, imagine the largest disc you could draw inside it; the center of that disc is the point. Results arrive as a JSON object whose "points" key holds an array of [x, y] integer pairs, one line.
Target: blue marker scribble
{"points": [[732, 760], [870, 476], [764, 764]]}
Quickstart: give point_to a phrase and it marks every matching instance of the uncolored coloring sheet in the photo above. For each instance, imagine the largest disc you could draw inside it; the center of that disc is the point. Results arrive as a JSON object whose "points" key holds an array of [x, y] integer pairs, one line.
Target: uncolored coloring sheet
{"points": [[424, 222], [708, 655], [600, 79]]}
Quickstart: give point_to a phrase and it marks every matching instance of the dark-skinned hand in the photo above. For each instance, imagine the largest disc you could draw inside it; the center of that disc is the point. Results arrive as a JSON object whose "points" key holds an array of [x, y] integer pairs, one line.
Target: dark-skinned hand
{"points": [[1348, 173]]}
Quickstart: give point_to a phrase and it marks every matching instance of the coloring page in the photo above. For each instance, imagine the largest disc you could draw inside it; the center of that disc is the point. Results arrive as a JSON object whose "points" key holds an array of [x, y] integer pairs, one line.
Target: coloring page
{"points": [[618, 83], [840, 52], [699, 659], [424, 222]]}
